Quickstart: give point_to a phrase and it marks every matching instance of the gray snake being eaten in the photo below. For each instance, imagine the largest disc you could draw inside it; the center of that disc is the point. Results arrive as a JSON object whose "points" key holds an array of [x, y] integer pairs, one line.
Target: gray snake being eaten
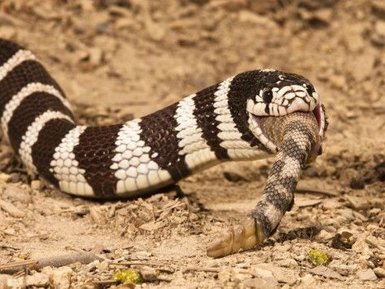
{"points": [[248, 116]]}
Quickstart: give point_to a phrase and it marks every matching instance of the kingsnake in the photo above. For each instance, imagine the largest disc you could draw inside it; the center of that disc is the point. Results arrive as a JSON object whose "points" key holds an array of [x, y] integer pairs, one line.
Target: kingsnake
{"points": [[226, 121]]}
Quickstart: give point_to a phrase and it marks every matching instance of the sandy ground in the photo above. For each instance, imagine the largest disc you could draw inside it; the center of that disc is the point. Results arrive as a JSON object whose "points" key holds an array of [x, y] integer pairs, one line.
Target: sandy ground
{"points": [[118, 59]]}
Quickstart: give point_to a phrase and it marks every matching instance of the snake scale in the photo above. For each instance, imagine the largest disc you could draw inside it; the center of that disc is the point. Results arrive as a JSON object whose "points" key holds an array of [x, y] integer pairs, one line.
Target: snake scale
{"points": [[248, 116]]}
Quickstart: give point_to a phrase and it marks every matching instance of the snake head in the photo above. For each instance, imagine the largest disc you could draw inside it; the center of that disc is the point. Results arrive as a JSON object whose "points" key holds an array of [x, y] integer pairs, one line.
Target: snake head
{"points": [[281, 93]]}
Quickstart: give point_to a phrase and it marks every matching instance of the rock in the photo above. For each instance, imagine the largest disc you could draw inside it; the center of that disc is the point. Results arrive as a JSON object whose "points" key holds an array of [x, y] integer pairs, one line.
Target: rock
{"points": [[367, 275], [234, 177], [303, 203], [96, 56], [348, 174], [325, 235], [247, 16], [154, 30], [224, 276], [60, 278], [344, 270], [11, 209], [348, 214], [358, 203], [376, 242], [378, 8], [229, 5], [9, 282], [357, 184], [37, 279], [102, 266], [36, 185], [323, 16], [361, 247], [15, 193], [380, 171], [97, 215], [259, 283], [380, 272], [283, 275], [240, 276], [379, 28], [326, 272], [7, 32], [307, 280], [262, 7], [343, 240], [288, 262], [319, 18], [9, 231], [265, 274]]}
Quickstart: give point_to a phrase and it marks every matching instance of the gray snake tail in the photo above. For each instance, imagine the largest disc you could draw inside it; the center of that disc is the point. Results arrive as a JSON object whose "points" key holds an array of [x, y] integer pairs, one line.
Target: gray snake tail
{"points": [[297, 138]]}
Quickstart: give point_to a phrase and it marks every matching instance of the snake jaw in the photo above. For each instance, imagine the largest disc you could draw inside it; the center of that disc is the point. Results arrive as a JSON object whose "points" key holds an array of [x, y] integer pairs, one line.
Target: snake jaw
{"points": [[263, 136], [260, 134], [319, 113], [244, 236]]}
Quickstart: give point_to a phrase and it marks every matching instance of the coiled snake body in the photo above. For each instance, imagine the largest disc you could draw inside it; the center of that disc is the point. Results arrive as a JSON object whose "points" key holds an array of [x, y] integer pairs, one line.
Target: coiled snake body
{"points": [[230, 120]]}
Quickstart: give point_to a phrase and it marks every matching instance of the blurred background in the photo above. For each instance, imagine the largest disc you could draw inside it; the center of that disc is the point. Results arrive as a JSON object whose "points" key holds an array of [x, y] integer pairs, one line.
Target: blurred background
{"points": [[119, 59]]}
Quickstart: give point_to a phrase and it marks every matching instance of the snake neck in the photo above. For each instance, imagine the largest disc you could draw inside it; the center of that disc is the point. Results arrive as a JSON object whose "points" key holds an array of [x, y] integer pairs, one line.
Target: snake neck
{"points": [[198, 132]]}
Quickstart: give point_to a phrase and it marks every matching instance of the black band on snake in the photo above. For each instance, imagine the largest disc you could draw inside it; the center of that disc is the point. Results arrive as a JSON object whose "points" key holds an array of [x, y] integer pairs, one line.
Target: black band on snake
{"points": [[247, 116]]}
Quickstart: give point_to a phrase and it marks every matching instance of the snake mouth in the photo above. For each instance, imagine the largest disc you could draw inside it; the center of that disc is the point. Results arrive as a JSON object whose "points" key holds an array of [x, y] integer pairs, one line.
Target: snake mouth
{"points": [[260, 134], [318, 111]]}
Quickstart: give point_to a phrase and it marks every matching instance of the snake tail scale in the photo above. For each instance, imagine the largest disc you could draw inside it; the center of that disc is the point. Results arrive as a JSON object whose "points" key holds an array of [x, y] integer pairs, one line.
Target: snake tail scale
{"points": [[244, 117]]}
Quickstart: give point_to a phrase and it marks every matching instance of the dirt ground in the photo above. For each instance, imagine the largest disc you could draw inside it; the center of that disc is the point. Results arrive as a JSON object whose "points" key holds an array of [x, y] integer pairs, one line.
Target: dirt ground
{"points": [[119, 59]]}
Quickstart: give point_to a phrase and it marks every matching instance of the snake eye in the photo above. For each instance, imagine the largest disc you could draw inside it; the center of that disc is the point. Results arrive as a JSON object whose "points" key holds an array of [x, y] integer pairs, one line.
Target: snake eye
{"points": [[309, 89], [267, 96]]}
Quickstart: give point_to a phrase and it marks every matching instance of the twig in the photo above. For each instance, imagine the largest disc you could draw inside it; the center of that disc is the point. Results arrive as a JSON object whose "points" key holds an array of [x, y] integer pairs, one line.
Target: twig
{"points": [[159, 266], [304, 190], [202, 269], [104, 283], [3, 246], [217, 270], [53, 261], [18, 264], [8, 19], [137, 263]]}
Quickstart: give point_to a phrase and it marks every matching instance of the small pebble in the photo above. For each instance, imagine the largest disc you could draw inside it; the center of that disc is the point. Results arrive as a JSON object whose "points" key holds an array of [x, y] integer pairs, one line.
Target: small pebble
{"points": [[307, 280], [37, 280], [36, 184], [380, 272], [361, 247], [283, 275], [60, 277], [224, 275], [343, 241], [367, 275], [326, 272], [11, 209], [259, 283], [13, 192], [263, 273]]}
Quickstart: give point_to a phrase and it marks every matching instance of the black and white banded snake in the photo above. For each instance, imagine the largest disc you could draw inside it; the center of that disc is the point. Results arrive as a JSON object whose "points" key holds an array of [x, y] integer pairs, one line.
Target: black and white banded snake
{"points": [[249, 116]]}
